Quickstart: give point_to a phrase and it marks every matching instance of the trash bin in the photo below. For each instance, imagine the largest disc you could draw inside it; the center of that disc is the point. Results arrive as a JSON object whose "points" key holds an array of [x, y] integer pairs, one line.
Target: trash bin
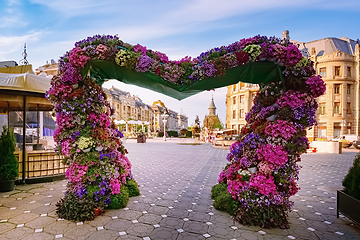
{"points": [[141, 138]]}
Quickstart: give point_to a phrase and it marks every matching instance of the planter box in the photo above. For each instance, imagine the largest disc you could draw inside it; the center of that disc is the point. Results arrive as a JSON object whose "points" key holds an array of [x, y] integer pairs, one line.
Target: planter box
{"points": [[348, 206], [327, 147]]}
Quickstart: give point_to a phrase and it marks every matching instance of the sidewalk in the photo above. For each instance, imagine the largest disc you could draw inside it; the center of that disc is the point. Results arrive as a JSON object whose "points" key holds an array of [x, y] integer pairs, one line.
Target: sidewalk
{"points": [[175, 183]]}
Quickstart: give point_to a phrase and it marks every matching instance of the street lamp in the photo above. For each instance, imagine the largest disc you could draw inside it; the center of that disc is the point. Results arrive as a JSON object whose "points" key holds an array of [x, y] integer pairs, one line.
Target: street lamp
{"points": [[165, 117]]}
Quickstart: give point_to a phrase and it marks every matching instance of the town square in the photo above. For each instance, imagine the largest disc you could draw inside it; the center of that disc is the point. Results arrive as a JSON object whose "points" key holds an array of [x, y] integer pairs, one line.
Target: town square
{"points": [[185, 120]]}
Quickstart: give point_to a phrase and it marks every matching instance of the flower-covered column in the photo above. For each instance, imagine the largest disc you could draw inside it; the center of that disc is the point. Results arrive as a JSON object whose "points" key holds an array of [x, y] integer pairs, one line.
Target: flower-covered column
{"points": [[261, 175], [98, 173]]}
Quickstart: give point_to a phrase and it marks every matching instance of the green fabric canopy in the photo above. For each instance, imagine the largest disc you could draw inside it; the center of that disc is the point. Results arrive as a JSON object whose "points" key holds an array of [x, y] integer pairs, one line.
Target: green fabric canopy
{"points": [[253, 72]]}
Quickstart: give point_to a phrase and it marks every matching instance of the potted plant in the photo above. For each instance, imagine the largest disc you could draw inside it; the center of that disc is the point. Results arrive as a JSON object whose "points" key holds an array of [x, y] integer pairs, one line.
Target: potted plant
{"points": [[9, 166], [252, 168], [348, 200]]}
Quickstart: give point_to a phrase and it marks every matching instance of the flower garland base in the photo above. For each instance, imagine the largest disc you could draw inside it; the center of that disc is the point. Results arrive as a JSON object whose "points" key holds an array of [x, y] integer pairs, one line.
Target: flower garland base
{"points": [[85, 208]]}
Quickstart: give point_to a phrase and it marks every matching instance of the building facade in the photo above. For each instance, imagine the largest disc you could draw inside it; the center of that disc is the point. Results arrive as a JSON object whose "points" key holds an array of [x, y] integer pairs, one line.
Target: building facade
{"points": [[175, 121], [337, 61], [129, 107], [239, 100]]}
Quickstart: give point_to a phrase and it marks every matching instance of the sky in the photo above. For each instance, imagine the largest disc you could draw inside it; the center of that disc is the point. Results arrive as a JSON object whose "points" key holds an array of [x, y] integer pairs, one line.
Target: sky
{"points": [[177, 28]]}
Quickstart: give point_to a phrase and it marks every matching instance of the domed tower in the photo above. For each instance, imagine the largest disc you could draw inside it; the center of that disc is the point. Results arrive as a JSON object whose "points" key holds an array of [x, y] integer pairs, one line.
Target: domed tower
{"points": [[286, 35], [212, 108]]}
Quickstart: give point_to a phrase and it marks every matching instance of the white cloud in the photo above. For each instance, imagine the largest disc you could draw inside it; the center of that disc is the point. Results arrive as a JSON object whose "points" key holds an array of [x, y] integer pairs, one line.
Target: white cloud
{"points": [[11, 44]]}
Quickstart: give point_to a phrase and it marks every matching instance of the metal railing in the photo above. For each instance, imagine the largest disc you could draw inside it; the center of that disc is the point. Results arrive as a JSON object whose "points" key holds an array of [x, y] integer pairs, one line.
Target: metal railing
{"points": [[40, 164]]}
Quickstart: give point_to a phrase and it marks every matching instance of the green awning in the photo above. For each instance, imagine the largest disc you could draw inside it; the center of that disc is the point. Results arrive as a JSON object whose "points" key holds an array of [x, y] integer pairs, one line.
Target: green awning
{"points": [[253, 72]]}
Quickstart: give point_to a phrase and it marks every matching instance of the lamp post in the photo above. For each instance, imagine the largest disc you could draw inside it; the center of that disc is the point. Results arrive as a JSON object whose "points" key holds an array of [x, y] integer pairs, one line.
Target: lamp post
{"points": [[343, 126], [165, 117]]}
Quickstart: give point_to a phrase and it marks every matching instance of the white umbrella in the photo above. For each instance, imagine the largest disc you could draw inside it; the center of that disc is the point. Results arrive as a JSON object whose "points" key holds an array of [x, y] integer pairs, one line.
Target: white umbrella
{"points": [[146, 123], [132, 122], [122, 122]]}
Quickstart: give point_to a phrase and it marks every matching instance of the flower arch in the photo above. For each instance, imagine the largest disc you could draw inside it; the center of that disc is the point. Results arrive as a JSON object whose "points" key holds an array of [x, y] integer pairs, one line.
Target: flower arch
{"points": [[98, 171]]}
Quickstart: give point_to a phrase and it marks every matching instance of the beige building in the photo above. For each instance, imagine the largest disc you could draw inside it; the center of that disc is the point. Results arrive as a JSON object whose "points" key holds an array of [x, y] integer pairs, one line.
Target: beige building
{"points": [[128, 107], [51, 68], [239, 100], [175, 121], [337, 61]]}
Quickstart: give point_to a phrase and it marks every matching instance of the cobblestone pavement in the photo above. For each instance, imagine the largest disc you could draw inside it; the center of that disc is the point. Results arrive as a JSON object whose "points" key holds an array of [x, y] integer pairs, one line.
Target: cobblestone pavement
{"points": [[175, 183]]}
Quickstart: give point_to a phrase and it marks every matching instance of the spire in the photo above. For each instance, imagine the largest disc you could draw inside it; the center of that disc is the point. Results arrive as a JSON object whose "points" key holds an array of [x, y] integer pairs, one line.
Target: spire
{"points": [[212, 108], [24, 61]]}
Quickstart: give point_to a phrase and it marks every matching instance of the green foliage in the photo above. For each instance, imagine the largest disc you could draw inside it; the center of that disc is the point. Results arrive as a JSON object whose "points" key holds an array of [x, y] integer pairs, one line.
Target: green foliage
{"points": [[265, 216], [217, 190], [218, 125], [76, 209], [120, 200], [160, 134], [351, 181], [223, 200], [189, 134], [133, 188], [9, 166], [172, 133]]}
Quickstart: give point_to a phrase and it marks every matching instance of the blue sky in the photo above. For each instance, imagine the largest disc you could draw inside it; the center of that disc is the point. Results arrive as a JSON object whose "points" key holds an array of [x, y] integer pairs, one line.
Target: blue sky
{"points": [[177, 28]]}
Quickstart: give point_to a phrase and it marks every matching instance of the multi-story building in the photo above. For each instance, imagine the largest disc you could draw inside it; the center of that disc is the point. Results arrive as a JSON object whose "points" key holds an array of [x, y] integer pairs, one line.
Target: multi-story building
{"points": [[239, 100], [51, 68], [129, 107], [337, 60], [175, 121]]}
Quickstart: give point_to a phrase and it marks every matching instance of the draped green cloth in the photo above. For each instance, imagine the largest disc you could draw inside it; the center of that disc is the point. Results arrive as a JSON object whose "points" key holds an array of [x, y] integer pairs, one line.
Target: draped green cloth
{"points": [[252, 72]]}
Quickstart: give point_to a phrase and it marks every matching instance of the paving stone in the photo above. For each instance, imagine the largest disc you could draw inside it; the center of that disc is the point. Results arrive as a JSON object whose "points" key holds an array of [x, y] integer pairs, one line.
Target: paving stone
{"points": [[140, 229], [40, 222], [118, 225], [150, 219], [80, 232], [24, 218], [17, 233], [165, 182]]}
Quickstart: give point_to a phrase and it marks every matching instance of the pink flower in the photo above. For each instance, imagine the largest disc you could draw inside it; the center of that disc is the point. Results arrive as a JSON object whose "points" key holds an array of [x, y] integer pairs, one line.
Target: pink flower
{"points": [[316, 86], [264, 184], [78, 57], [281, 128], [115, 186], [265, 167], [273, 154], [75, 172], [101, 50]]}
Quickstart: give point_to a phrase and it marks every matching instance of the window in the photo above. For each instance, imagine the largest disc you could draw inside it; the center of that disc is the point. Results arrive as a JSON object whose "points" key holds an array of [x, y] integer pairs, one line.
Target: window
{"points": [[349, 71], [233, 127], [336, 88], [337, 71], [234, 100], [241, 114], [348, 130], [242, 98], [322, 108], [323, 72], [348, 108], [242, 85], [234, 114], [234, 88], [348, 89], [336, 107]]}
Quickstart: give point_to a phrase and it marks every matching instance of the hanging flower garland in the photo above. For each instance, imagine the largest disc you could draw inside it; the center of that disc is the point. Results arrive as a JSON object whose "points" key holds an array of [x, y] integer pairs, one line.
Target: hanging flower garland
{"points": [[99, 173]]}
